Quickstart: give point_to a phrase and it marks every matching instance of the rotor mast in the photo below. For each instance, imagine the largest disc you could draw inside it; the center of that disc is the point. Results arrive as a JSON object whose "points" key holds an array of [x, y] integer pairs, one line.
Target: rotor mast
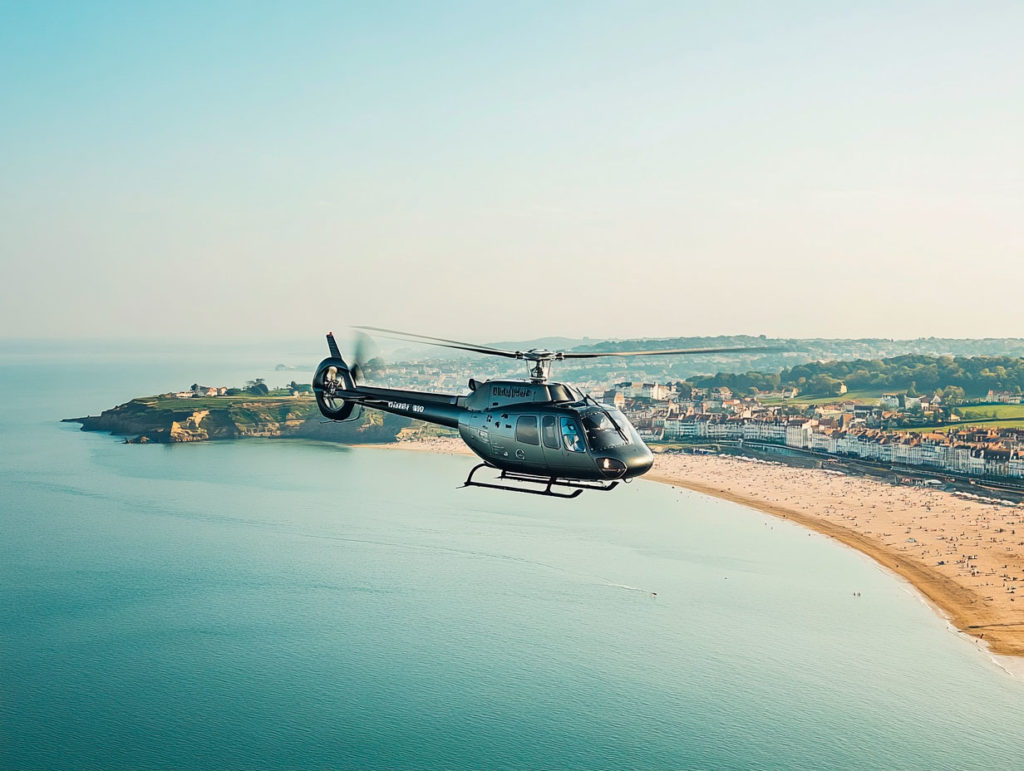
{"points": [[539, 363]]}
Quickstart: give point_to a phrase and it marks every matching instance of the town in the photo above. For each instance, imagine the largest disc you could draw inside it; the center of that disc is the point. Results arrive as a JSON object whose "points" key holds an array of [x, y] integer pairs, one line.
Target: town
{"points": [[856, 429]]}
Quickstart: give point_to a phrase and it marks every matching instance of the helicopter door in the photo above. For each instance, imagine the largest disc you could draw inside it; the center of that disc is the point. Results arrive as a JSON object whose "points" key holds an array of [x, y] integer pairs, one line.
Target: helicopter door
{"points": [[528, 454], [549, 430], [564, 447]]}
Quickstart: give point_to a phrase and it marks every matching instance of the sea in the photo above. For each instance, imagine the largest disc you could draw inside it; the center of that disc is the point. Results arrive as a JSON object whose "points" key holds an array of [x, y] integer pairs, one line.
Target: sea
{"points": [[276, 603]]}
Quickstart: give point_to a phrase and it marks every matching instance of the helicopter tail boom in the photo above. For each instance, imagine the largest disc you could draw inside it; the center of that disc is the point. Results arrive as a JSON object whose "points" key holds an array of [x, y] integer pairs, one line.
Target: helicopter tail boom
{"points": [[340, 397], [442, 409], [341, 402]]}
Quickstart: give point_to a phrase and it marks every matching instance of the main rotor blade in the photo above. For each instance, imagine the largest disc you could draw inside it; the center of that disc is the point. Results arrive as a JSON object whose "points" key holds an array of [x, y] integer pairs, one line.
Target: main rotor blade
{"points": [[669, 352], [440, 342]]}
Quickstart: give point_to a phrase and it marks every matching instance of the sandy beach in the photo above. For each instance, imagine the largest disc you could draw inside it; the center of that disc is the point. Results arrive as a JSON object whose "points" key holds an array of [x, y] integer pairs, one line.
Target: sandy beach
{"points": [[962, 553]]}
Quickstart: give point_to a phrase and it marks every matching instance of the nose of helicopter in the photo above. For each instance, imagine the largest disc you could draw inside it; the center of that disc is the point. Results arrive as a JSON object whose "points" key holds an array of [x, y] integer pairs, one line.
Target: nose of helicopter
{"points": [[626, 463], [632, 461], [639, 464]]}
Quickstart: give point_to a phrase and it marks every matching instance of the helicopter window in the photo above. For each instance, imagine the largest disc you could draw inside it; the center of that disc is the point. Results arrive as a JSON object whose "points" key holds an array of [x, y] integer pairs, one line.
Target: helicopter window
{"points": [[572, 439], [624, 426], [602, 431], [571, 394], [560, 393], [526, 430], [550, 431]]}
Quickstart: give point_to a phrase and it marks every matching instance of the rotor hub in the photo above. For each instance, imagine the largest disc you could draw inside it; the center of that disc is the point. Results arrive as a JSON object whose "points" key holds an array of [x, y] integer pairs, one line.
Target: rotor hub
{"points": [[540, 363]]}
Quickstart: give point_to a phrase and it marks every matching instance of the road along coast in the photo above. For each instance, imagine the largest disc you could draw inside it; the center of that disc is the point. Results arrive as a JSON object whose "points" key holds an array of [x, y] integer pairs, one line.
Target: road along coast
{"points": [[963, 553]]}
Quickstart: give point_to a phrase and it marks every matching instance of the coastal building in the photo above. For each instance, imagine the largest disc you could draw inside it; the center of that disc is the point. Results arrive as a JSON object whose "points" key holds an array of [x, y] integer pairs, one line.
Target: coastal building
{"points": [[821, 440], [1015, 466], [614, 397], [798, 432]]}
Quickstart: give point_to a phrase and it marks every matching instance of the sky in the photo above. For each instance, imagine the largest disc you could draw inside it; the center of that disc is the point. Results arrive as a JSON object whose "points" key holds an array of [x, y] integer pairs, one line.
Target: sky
{"points": [[508, 170]]}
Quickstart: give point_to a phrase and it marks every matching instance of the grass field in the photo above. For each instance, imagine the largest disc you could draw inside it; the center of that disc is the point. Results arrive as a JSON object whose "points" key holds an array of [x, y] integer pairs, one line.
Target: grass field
{"points": [[860, 397], [1000, 411], [1011, 423], [207, 402]]}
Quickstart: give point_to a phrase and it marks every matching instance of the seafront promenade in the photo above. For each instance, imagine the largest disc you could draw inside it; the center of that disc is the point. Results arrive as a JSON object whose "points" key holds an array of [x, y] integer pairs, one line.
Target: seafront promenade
{"points": [[964, 554]]}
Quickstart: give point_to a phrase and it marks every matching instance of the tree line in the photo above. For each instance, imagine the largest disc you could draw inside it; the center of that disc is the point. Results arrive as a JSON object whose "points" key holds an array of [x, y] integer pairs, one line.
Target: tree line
{"points": [[914, 373]]}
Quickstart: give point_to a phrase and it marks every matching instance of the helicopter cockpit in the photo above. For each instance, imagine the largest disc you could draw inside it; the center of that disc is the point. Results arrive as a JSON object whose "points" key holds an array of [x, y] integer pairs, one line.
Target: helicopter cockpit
{"points": [[607, 428]]}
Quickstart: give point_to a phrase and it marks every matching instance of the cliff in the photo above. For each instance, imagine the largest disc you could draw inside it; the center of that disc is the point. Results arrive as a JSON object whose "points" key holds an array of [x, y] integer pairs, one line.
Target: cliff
{"points": [[165, 420]]}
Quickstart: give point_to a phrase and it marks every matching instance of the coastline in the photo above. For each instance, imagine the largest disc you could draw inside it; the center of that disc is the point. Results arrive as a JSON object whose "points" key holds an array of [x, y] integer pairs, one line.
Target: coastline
{"points": [[962, 554]]}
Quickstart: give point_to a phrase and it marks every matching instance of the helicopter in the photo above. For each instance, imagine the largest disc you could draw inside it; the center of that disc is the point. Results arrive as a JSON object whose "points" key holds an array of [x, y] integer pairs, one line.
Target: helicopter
{"points": [[544, 437]]}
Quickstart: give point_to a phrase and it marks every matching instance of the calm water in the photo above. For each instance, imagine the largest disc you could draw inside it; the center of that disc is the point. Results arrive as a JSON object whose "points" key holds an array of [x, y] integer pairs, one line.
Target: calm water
{"points": [[294, 604]]}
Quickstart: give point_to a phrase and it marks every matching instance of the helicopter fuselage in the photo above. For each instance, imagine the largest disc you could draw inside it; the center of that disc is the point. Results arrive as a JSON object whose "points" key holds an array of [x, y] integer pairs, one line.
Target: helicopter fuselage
{"points": [[551, 429], [539, 429]]}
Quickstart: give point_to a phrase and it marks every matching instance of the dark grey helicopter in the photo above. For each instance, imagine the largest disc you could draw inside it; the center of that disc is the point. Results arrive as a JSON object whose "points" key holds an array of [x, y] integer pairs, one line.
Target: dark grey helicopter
{"points": [[538, 434]]}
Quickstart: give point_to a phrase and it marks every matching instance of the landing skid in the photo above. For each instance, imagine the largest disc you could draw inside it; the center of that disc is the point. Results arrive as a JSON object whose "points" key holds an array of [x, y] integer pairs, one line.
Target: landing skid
{"points": [[545, 483]]}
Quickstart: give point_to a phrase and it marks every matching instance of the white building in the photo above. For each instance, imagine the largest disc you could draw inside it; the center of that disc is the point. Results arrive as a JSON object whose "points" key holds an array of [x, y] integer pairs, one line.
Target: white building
{"points": [[798, 433]]}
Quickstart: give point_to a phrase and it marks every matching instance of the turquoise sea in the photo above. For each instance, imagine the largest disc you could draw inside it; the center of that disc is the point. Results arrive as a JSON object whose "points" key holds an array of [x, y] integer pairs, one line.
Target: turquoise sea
{"points": [[276, 603]]}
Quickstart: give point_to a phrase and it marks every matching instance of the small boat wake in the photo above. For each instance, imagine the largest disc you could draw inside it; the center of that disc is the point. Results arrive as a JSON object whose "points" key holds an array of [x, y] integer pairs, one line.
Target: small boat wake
{"points": [[628, 588]]}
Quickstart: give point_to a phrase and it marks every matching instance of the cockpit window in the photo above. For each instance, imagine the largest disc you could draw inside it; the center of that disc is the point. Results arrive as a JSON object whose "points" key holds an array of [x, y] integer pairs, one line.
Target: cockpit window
{"points": [[560, 392], [572, 439], [605, 431], [625, 426]]}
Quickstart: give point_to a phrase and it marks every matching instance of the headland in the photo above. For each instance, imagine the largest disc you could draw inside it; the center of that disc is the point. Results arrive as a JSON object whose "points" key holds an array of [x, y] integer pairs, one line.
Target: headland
{"points": [[166, 419]]}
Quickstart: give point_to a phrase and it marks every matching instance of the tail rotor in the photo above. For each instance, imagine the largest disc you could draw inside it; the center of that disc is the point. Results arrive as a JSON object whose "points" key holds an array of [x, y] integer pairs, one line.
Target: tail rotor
{"points": [[334, 385], [361, 355]]}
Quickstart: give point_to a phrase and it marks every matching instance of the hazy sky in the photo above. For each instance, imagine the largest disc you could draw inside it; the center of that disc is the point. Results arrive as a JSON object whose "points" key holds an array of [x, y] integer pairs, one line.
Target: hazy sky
{"points": [[511, 169]]}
